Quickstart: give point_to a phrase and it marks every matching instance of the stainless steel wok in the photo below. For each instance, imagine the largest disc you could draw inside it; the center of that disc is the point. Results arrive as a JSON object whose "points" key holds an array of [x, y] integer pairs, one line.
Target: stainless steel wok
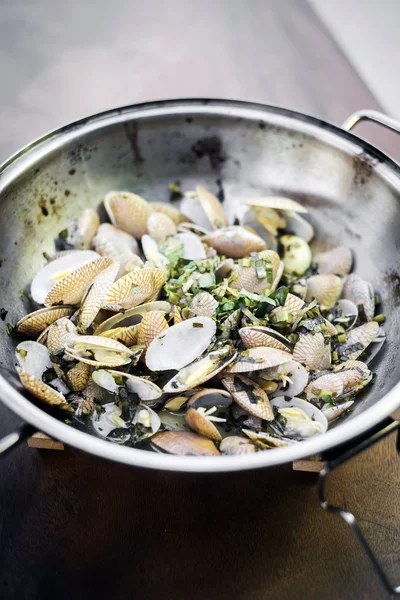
{"points": [[352, 191]]}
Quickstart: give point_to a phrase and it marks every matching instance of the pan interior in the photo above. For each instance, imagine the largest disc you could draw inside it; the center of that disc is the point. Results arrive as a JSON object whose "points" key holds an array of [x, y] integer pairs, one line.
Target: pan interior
{"points": [[350, 190]]}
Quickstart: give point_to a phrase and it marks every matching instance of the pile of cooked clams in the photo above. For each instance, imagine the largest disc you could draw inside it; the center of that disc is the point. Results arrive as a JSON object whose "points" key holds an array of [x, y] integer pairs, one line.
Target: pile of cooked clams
{"points": [[194, 337]]}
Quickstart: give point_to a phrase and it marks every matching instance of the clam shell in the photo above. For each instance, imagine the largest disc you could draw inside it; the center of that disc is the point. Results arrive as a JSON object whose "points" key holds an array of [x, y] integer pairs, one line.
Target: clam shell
{"points": [[184, 443], [354, 375], [106, 352], [177, 315], [201, 370], [152, 324], [297, 256], [119, 246], [325, 289], [349, 314], [77, 378], [45, 279], [334, 412], [292, 372], [246, 277], [71, 288], [134, 288], [362, 294], [258, 358], [180, 344], [58, 335], [176, 403], [125, 335], [144, 388], [153, 254], [297, 225], [312, 351], [160, 226], [224, 269], [191, 207], [83, 229], [250, 396], [198, 422], [169, 210], [234, 242], [210, 397], [133, 314], [212, 207], [293, 304], [33, 358], [337, 261], [43, 391], [277, 203], [193, 248], [192, 228], [96, 296], [128, 212], [329, 383], [358, 339], [252, 337], [33, 324], [235, 445], [306, 429], [269, 219], [203, 305], [265, 440]]}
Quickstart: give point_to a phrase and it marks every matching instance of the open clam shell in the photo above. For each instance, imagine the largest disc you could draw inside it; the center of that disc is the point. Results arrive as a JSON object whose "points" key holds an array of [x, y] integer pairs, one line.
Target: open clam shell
{"points": [[256, 359], [212, 207], [348, 314], [58, 335], [98, 351], [255, 336], [71, 288], [160, 226], [83, 229], [192, 228], [132, 316], [128, 212], [354, 375], [173, 213], [298, 226], [297, 255], [361, 293], [43, 391], [302, 419], [313, 351], [125, 335], [265, 441], [119, 246], [96, 296], [358, 339], [250, 396], [293, 378], [249, 278], [234, 241], [45, 280], [234, 445], [180, 344], [184, 443], [277, 203], [153, 254], [36, 322], [269, 219], [193, 248], [329, 385], [152, 324], [337, 261], [325, 289], [333, 412], [112, 380], [134, 288], [201, 420], [201, 370]]}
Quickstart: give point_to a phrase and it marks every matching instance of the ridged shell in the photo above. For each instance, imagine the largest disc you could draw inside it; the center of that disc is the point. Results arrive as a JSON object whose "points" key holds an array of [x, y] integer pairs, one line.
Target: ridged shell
{"points": [[199, 423], [43, 391], [128, 212], [212, 207], [258, 358], [270, 219], [234, 242], [354, 375], [118, 354], [264, 440], [96, 296], [160, 226], [277, 203], [362, 294], [169, 210], [184, 443], [77, 378], [235, 445], [71, 288], [119, 246], [134, 288], [177, 315], [133, 313], [312, 351], [152, 324], [358, 339], [33, 324], [58, 335], [253, 337], [337, 261], [203, 304], [325, 289], [329, 383], [83, 229], [293, 304], [125, 335], [250, 396], [246, 277]]}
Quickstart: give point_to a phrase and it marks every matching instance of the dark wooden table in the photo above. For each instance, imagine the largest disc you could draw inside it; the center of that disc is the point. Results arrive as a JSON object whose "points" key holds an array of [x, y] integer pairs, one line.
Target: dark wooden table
{"points": [[74, 526]]}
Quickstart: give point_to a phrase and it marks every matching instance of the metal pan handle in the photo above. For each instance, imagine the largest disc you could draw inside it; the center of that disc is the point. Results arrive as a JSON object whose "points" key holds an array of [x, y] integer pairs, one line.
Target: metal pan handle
{"points": [[371, 115], [337, 457], [12, 440]]}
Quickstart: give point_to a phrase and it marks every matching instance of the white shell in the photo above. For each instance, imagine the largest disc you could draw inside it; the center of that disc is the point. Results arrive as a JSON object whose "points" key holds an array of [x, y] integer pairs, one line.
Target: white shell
{"points": [[350, 313], [145, 389], [152, 253], [110, 419], [297, 225], [191, 208], [181, 344], [36, 360], [334, 412], [193, 249], [43, 281], [298, 379], [302, 429]]}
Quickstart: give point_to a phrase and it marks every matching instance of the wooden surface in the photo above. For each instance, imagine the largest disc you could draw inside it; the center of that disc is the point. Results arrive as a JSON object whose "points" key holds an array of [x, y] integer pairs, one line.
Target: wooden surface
{"points": [[74, 526]]}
